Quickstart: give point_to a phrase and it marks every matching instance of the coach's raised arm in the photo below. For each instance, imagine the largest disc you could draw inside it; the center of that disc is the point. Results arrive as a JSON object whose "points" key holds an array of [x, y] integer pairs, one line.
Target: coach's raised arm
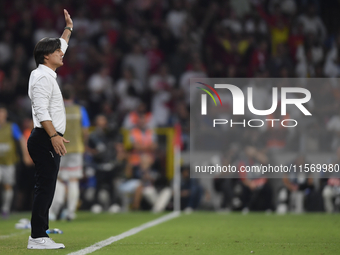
{"points": [[69, 27]]}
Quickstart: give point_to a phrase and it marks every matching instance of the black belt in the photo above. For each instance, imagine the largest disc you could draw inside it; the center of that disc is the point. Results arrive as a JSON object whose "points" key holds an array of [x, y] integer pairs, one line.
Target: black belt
{"points": [[42, 129]]}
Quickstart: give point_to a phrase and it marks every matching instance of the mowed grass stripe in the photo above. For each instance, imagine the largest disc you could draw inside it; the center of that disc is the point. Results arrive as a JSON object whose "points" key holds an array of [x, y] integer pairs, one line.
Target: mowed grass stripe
{"points": [[198, 233]]}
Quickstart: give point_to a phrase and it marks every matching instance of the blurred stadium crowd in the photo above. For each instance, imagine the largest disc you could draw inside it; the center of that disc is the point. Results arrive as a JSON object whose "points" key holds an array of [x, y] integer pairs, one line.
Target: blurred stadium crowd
{"points": [[128, 65]]}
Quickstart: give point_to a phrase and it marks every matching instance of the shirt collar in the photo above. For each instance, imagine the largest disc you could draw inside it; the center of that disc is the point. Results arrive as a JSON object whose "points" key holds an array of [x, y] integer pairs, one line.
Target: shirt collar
{"points": [[48, 70]]}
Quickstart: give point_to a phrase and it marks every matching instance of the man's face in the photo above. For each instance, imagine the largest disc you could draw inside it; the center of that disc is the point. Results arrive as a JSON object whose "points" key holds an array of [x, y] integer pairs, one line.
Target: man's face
{"points": [[101, 122], [55, 59]]}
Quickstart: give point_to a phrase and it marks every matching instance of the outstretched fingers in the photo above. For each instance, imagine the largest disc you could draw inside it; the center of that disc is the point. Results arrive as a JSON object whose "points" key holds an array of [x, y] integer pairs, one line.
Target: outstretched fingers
{"points": [[68, 19]]}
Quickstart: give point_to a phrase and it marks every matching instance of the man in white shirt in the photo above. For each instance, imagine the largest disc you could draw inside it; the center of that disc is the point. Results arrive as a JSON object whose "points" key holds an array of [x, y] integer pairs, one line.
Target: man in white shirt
{"points": [[46, 142]]}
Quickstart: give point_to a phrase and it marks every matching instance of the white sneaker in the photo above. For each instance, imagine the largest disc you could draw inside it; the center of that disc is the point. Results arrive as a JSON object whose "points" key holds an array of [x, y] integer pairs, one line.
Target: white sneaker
{"points": [[43, 243]]}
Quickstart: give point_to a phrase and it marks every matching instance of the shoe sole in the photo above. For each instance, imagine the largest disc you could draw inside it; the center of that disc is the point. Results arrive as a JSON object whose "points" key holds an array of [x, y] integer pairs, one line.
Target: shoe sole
{"points": [[44, 248]]}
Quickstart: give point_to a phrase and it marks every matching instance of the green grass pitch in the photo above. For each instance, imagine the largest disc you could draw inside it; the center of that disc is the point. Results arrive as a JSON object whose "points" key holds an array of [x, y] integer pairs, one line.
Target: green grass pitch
{"points": [[198, 233]]}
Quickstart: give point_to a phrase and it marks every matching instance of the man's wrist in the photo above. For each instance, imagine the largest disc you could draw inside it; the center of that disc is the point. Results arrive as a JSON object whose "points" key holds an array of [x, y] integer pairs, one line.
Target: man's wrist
{"points": [[69, 28], [54, 135]]}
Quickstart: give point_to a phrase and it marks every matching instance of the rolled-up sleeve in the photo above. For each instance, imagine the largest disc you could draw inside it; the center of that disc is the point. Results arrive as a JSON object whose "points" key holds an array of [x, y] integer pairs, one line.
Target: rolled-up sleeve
{"points": [[40, 96], [63, 45]]}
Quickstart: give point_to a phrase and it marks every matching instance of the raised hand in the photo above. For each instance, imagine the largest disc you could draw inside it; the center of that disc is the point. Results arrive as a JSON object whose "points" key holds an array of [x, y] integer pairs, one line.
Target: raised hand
{"points": [[68, 20], [69, 23]]}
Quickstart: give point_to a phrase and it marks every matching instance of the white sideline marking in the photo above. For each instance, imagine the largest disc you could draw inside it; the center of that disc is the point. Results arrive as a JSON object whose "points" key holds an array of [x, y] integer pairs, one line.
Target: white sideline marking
{"points": [[130, 232], [14, 234]]}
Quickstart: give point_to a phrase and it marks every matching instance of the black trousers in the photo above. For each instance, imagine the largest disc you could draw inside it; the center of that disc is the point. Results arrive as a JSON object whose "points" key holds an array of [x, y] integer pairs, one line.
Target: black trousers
{"points": [[47, 163]]}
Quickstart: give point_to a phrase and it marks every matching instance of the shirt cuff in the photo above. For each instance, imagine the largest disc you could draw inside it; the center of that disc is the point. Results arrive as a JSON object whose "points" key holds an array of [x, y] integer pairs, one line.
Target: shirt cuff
{"points": [[44, 117], [63, 45]]}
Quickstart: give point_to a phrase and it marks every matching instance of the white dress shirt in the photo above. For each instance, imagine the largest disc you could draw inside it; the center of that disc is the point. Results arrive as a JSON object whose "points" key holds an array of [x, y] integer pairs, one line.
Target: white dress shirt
{"points": [[46, 98]]}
